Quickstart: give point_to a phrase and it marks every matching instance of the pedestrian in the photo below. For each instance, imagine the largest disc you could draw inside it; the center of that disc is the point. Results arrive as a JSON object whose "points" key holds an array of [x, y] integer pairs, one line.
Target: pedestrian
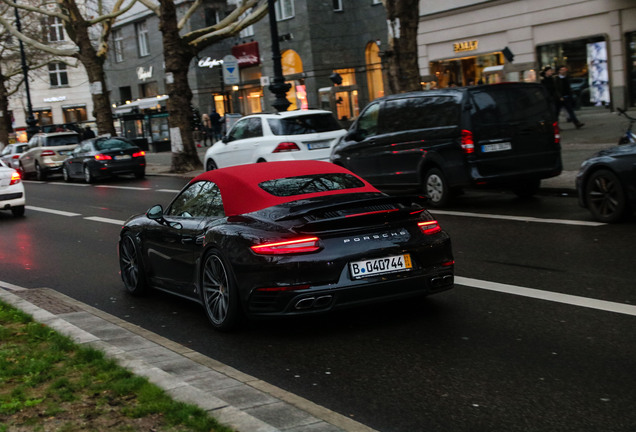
{"points": [[88, 133], [208, 133], [547, 79], [215, 119], [564, 96]]}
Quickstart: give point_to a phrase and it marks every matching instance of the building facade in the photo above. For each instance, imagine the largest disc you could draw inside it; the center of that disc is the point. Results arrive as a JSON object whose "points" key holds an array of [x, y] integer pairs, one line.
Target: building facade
{"points": [[466, 41]]}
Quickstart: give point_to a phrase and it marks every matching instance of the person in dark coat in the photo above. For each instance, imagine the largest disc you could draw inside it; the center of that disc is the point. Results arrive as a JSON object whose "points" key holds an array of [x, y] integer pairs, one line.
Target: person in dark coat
{"points": [[548, 82], [88, 133], [564, 96]]}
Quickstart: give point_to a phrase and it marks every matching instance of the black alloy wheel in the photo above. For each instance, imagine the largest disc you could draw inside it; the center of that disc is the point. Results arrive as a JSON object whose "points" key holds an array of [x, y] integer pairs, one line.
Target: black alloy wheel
{"points": [[436, 188], [219, 292], [210, 165], [605, 196], [131, 266]]}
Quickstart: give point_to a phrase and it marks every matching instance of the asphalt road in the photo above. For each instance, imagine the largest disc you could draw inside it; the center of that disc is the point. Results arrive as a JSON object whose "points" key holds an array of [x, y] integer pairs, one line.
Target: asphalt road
{"points": [[489, 355]]}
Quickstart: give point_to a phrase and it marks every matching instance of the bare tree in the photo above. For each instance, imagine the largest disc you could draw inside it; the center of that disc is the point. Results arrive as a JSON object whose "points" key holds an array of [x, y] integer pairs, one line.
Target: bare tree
{"points": [[179, 50], [402, 58], [88, 28]]}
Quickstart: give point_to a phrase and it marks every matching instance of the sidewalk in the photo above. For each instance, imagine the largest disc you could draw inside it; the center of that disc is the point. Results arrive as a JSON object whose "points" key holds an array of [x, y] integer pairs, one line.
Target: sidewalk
{"points": [[235, 399], [602, 130]]}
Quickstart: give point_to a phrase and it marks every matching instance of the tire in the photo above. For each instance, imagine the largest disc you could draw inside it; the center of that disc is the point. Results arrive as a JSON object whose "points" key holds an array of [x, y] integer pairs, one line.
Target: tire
{"points": [[66, 175], [605, 196], [527, 189], [210, 165], [88, 175], [140, 174], [131, 266], [219, 292], [17, 211], [40, 175], [436, 188]]}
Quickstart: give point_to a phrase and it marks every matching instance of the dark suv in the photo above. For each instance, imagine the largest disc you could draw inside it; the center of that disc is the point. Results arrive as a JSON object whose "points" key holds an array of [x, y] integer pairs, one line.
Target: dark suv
{"points": [[443, 140]]}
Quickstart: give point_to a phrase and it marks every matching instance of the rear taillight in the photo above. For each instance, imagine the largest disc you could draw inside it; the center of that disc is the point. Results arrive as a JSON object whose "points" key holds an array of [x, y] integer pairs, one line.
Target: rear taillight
{"points": [[429, 227], [15, 156], [297, 245], [557, 132], [139, 154], [15, 178], [101, 157], [467, 142], [286, 147], [47, 153]]}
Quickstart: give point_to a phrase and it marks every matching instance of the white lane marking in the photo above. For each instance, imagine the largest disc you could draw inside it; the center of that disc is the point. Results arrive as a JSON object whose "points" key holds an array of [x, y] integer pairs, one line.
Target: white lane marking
{"points": [[168, 190], [57, 212], [517, 218], [105, 220], [122, 187], [549, 296]]}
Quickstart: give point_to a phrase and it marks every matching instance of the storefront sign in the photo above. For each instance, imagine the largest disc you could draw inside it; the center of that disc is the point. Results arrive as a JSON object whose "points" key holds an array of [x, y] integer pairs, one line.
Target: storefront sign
{"points": [[247, 54], [144, 74], [465, 46], [209, 62], [55, 99]]}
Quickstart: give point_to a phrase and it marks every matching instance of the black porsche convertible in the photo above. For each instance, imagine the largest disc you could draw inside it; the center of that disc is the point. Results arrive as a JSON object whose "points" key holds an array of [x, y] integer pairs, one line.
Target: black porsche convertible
{"points": [[285, 238]]}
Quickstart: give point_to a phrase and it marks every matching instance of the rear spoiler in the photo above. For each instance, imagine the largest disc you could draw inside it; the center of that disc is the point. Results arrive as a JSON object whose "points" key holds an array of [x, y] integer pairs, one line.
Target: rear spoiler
{"points": [[304, 210]]}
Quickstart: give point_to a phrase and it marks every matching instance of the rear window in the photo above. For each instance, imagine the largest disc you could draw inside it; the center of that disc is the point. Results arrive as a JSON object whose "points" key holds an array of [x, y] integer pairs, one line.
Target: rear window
{"points": [[503, 104], [307, 184], [112, 144], [60, 140], [306, 124], [422, 112]]}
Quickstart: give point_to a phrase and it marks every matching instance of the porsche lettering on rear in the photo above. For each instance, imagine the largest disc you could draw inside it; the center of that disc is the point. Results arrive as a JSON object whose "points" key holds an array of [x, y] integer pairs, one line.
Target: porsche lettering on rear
{"points": [[370, 237]]}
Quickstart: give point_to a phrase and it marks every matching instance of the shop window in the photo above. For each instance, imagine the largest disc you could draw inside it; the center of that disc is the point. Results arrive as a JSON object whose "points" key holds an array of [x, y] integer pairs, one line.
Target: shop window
{"points": [[292, 64], [149, 89], [219, 104], [118, 45], [74, 114], [284, 9], [55, 29], [247, 31], [57, 75], [143, 45], [348, 76], [125, 94], [43, 116], [374, 71]]}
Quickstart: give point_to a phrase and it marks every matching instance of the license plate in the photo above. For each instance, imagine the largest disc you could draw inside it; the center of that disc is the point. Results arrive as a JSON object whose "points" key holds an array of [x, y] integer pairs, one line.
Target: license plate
{"points": [[487, 148], [378, 266], [122, 157], [318, 145]]}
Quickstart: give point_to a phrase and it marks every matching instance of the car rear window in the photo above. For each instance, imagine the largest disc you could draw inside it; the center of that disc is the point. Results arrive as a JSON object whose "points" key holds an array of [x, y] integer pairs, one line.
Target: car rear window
{"points": [[60, 140], [113, 144], [503, 104], [305, 124], [307, 184]]}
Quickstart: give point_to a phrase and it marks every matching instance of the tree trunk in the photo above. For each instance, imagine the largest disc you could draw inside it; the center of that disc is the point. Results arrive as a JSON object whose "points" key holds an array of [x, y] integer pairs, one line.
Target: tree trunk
{"points": [[402, 58], [5, 120], [77, 30], [177, 57]]}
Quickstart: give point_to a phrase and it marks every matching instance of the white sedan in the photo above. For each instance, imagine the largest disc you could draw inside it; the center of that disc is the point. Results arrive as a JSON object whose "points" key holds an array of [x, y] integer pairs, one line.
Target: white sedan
{"points": [[288, 135], [11, 190]]}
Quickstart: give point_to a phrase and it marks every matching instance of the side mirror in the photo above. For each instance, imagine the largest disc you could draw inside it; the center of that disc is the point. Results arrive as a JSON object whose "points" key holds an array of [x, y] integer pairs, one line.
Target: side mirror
{"points": [[353, 135], [155, 213], [225, 139]]}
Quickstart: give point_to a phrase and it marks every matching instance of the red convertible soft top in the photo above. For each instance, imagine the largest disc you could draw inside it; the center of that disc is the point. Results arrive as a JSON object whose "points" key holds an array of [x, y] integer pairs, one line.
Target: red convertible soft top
{"points": [[241, 193]]}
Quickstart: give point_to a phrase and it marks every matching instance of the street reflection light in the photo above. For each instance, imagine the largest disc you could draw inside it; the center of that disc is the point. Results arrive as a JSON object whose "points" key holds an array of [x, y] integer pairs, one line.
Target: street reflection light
{"points": [[31, 121], [279, 87]]}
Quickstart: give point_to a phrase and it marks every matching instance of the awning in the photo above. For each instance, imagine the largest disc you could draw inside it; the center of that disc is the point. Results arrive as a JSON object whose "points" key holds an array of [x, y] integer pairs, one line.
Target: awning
{"points": [[141, 104]]}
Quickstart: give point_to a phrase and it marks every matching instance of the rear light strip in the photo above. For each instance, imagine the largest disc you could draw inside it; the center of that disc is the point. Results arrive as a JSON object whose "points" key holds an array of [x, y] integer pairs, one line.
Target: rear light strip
{"points": [[299, 245], [47, 153], [467, 142], [15, 178], [286, 147], [557, 132], [103, 157]]}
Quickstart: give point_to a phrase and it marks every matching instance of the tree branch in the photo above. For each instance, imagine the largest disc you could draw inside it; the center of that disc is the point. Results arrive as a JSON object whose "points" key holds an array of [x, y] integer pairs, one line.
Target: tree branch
{"points": [[70, 52]]}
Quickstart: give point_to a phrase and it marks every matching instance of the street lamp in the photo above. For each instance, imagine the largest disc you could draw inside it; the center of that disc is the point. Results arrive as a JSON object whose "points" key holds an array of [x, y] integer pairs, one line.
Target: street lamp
{"points": [[278, 87], [31, 121]]}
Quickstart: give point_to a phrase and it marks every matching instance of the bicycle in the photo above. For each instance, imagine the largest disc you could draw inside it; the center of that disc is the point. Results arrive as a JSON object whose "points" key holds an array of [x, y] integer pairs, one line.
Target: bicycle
{"points": [[630, 136]]}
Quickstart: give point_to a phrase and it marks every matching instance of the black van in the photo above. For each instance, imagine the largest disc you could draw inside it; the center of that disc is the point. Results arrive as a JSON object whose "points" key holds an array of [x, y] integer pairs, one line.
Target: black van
{"points": [[442, 140]]}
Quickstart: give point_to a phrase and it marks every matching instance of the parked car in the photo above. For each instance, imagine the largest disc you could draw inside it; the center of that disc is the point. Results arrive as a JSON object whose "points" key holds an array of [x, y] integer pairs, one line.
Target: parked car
{"points": [[606, 183], [285, 238], [104, 157], [444, 140], [289, 135], [46, 153], [11, 154], [12, 196]]}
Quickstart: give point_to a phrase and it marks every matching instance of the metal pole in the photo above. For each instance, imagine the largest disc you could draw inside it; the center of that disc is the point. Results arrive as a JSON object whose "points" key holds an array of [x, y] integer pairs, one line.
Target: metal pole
{"points": [[278, 87], [31, 121]]}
